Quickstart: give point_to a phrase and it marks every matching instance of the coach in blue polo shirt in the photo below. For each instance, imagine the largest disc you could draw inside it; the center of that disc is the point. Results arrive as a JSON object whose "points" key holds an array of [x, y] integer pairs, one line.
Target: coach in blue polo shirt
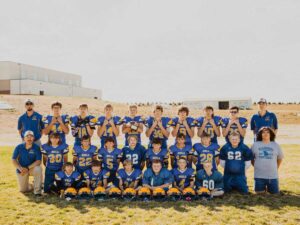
{"points": [[32, 121], [263, 118], [27, 160]]}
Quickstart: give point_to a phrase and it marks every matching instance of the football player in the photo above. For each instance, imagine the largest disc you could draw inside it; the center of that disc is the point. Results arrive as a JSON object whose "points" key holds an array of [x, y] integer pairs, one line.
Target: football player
{"points": [[95, 176], [156, 152], [206, 151], [235, 157], [209, 123], [82, 124], [181, 150], [55, 154], [132, 125], [135, 152], [234, 123], [108, 125], [183, 176], [158, 127], [183, 124], [84, 154]]}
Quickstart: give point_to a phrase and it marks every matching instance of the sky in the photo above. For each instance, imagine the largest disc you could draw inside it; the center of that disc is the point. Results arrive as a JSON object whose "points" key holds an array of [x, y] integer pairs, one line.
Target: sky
{"points": [[161, 50]]}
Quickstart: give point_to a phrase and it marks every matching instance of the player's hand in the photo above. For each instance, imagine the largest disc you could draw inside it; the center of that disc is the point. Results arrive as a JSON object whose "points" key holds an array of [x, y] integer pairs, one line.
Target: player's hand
{"points": [[185, 123], [160, 124], [111, 122], [53, 121], [59, 119], [23, 171], [105, 122], [155, 123]]}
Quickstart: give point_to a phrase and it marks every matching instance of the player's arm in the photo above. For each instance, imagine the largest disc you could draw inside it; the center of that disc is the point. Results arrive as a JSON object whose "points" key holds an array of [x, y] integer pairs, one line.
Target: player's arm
{"points": [[164, 131], [64, 126], [125, 128], [226, 130], [241, 130], [102, 128], [90, 130], [172, 160], [202, 128], [105, 183], [65, 157], [115, 128], [75, 159], [49, 126], [217, 160], [189, 130], [175, 130], [192, 182], [45, 158], [150, 130], [121, 184], [216, 128], [166, 160]]}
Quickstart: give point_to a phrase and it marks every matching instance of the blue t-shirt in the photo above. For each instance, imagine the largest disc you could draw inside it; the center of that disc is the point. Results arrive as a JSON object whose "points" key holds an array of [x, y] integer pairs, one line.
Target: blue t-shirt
{"points": [[138, 120], [162, 155], [33, 123], [214, 181], [209, 128], [235, 158], [56, 128], [154, 180], [206, 153], [268, 120], [182, 129], [136, 155], [109, 131], [55, 156], [95, 179], [110, 159], [26, 157], [181, 153], [183, 178], [67, 180], [84, 157], [128, 179], [234, 128]]}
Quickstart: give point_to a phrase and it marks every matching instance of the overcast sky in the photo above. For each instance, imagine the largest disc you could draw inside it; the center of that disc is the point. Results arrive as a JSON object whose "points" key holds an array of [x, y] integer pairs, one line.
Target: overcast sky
{"points": [[161, 50]]}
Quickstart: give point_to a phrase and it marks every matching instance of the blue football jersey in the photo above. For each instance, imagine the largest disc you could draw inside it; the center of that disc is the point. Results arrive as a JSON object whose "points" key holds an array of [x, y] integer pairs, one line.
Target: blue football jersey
{"points": [[130, 120], [206, 153], [129, 179], [84, 157], [95, 179], [136, 155], [56, 128], [157, 133], [182, 129], [181, 153], [235, 158], [209, 128], [55, 155], [162, 155], [214, 181], [109, 131], [154, 180], [67, 180], [233, 128], [183, 178], [110, 159]]}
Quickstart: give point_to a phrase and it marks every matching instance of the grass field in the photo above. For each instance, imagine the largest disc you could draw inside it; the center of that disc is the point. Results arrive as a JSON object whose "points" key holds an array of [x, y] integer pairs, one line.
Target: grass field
{"points": [[17, 208]]}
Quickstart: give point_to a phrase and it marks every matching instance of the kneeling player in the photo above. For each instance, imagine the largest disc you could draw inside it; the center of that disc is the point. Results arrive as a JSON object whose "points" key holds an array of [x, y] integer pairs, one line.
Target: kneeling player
{"points": [[183, 176], [235, 158], [157, 153], [210, 179], [128, 177], [95, 176]]}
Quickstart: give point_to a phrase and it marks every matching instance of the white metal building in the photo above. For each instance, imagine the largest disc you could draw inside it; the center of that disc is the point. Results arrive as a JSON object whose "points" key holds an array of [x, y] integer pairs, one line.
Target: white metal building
{"points": [[18, 78], [224, 103]]}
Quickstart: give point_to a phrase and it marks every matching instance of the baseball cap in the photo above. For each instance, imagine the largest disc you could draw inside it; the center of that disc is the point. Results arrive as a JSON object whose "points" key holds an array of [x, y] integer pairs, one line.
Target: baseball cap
{"points": [[29, 132], [29, 101], [262, 100]]}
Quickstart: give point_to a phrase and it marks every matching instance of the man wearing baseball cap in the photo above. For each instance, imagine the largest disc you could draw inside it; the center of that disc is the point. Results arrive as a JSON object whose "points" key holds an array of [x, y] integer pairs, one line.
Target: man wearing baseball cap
{"points": [[27, 160], [263, 118], [32, 121]]}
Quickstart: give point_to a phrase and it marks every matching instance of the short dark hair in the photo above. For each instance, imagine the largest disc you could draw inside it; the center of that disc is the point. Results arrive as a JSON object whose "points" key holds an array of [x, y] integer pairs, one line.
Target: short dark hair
{"points": [[83, 106], [184, 109], [209, 108], [67, 164], [205, 134], [159, 107], [96, 163], [156, 141], [156, 161], [54, 135], [56, 104], [109, 139], [235, 107], [127, 161], [180, 135], [261, 130], [108, 106], [85, 137]]}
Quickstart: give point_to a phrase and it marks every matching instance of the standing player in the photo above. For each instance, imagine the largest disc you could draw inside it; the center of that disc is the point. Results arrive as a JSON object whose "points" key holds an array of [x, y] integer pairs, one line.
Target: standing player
{"points": [[209, 124], [206, 151], [235, 158], [57, 123], [110, 157], [84, 154], [83, 124], [157, 153], [263, 118], [31, 120], [183, 176], [181, 150], [108, 125], [96, 176], [158, 127], [55, 154], [183, 124], [234, 123], [134, 152], [133, 125]]}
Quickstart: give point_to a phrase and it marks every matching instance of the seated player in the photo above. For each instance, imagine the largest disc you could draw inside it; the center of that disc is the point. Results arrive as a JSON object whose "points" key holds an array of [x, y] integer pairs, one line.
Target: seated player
{"points": [[84, 154], [157, 176], [66, 178], [210, 179], [57, 123], [181, 150], [206, 151], [210, 124], [108, 125], [135, 152], [235, 158], [156, 152], [234, 123], [95, 176], [128, 177], [183, 124], [55, 154], [110, 157], [158, 127], [82, 124], [183, 176], [132, 125]]}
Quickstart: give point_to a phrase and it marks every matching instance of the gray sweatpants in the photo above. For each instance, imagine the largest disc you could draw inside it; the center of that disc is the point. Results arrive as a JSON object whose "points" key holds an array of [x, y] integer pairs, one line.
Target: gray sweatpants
{"points": [[23, 181]]}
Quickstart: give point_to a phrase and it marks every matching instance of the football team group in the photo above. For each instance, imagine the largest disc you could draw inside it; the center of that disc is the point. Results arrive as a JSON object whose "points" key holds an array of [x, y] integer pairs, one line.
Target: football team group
{"points": [[162, 170]]}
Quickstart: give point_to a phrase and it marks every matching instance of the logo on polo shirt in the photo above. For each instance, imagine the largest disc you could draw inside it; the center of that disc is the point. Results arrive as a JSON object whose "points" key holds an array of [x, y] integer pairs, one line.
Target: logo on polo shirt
{"points": [[267, 118]]}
